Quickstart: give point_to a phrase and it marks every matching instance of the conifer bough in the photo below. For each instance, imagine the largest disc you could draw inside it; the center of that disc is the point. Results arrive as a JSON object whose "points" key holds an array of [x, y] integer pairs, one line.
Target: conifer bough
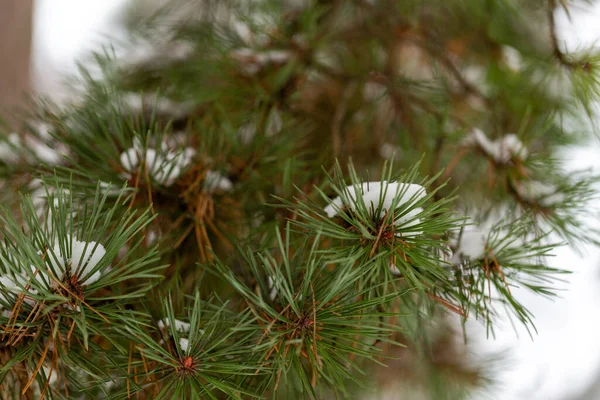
{"points": [[218, 215]]}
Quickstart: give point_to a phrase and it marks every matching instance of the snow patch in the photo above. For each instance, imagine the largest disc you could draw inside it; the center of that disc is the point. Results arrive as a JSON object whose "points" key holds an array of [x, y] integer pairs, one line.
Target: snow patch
{"points": [[541, 193], [180, 326], [163, 166], [383, 195], [215, 181], [79, 260], [184, 344], [502, 150], [471, 244]]}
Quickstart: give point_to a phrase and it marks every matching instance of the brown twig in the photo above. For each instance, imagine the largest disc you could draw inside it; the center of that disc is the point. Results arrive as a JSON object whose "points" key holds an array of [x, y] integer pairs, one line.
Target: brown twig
{"points": [[37, 368], [338, 119], [381, 229]]}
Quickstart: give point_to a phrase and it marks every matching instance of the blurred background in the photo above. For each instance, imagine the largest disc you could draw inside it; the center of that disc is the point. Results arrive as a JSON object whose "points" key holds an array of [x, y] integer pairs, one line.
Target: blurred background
{"points": [[42, 41]]}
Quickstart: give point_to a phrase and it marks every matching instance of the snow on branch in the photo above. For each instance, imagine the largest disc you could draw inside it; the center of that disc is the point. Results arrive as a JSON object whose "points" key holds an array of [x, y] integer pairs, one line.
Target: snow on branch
{"points": [[384, 196], [502, 150], [163, 166]]}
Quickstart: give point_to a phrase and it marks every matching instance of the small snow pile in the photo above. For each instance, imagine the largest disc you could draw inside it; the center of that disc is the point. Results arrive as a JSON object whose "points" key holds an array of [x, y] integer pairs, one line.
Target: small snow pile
{"points": [[77, 260], [476, 76], [8, 285], [45, 153], [512, 58], [546, 195], [273, 290], [163, 166], [15, 148], [214, 181], [45, 148], [184, 344], [181, 327], [404, 194], [15, 281], [173, 140], [253, 61], [43, 129], [502, 150], [470, 244], [394, 270], [152, 236], [257, 52], [14, 285]]}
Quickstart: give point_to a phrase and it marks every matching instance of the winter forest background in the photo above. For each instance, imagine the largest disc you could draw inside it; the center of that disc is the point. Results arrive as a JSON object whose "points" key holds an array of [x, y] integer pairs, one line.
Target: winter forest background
{"points": [[563, 360]]}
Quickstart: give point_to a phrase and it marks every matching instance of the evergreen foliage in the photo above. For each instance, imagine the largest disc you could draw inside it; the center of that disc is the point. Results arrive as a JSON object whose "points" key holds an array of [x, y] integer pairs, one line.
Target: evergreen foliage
{"points": [[271, 199]]}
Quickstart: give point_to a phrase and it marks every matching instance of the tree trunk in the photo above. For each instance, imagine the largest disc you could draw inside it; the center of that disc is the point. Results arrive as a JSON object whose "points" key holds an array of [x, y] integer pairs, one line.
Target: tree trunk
{"points": [[15, 50]]}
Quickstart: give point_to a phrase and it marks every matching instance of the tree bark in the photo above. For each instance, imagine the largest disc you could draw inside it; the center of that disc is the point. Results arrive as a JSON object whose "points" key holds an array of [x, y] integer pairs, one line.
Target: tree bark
{"points": [[16, 18]]}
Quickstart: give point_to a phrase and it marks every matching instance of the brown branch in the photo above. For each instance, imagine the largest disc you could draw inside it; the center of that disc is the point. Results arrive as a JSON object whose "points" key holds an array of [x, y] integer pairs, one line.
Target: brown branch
{"points": [[338, 119], [383, 226]]}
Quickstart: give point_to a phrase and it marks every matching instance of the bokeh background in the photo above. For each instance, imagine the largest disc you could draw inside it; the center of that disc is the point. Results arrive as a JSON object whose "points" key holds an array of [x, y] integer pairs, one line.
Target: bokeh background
{"points": [[561, 362]]}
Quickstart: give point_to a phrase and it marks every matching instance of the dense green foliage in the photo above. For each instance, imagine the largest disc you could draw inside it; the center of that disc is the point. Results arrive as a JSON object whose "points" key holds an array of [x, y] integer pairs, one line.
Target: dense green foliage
{"points": [[258, 199]]}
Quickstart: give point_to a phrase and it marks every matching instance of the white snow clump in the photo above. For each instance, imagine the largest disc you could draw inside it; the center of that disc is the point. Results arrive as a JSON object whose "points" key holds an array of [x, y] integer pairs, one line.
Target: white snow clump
{"points": [[79, 261], [546, 195], [180, 326], [502, 150], [374, 192], [163, 166], [215, 181]]}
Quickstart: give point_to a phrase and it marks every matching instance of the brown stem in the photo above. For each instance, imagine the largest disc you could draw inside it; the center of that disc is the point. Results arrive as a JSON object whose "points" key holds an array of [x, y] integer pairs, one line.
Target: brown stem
{"points": [[454, 162]]}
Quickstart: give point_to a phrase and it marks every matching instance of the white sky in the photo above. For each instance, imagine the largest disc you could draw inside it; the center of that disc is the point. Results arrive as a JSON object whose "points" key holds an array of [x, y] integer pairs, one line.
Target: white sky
{"points": [[63, 31], [561, 361]]}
